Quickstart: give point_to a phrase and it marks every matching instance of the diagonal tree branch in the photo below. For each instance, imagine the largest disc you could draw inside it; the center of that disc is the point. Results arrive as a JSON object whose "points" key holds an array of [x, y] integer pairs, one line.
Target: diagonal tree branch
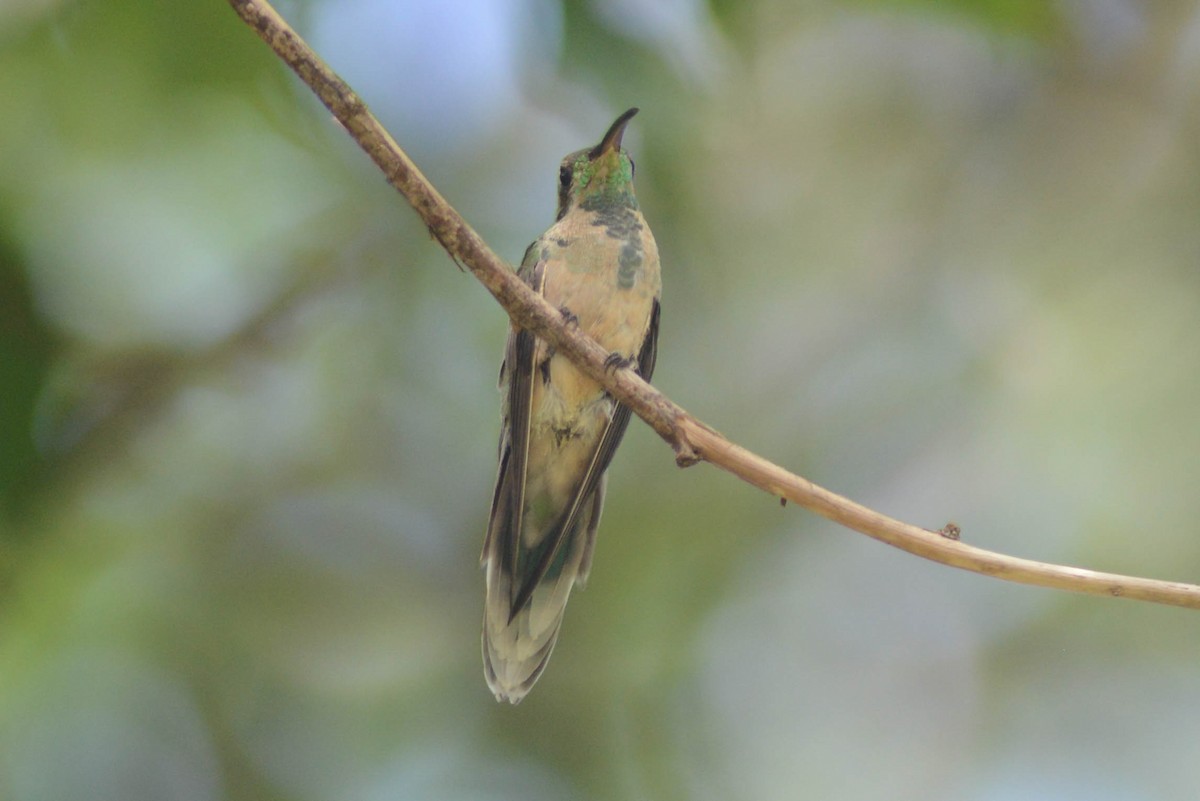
{"points": [[691, 439]]}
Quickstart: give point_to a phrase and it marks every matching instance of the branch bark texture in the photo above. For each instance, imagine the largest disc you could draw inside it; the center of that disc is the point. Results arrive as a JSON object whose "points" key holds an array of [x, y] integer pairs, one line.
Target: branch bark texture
{"points": [[691, 439]]}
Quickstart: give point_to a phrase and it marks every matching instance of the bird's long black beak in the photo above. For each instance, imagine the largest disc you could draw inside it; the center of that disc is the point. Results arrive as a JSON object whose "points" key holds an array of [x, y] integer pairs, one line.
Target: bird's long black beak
{"points": [[612, 139]]}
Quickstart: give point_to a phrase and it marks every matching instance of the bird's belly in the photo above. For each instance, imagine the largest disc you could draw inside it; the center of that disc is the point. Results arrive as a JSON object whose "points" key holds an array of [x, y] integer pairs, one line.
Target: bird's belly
{"points": [[567, 405], [569, 415]]}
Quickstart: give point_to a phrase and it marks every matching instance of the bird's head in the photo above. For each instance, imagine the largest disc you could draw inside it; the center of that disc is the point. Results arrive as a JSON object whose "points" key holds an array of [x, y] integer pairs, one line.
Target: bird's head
{"points": [[598, 176]]}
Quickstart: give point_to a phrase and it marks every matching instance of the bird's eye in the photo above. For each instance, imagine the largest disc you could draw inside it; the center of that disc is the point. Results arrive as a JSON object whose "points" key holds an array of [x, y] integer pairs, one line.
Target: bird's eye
{"points": [[564, 176]]}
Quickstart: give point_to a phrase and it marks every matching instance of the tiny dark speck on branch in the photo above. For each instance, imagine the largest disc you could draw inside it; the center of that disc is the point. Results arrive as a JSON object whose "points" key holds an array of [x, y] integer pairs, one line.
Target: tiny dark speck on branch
{"points": [[950, 531]]}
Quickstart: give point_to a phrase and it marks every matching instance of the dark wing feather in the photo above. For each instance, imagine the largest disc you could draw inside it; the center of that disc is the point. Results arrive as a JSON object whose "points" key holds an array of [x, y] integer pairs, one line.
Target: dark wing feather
{"points": [[508, 501], [583, 497], [649, 353]]}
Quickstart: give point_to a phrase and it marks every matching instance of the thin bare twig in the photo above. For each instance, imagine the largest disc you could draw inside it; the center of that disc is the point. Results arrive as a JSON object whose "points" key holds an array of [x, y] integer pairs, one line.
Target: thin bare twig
{"points": [[691, 439]]}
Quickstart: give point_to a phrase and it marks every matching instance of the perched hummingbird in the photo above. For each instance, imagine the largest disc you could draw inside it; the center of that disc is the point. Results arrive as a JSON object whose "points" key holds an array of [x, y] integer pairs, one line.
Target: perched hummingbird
{"points": [[598, 264]]}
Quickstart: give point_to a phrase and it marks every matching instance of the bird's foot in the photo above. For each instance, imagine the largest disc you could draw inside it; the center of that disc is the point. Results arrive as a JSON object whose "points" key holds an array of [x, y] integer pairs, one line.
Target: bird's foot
{"points": [[616, 361]]}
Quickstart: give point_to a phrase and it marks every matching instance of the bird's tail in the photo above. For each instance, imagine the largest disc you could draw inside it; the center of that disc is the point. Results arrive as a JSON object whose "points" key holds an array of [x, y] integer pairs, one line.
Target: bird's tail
{"points": [[517, 643], [516, 647]]}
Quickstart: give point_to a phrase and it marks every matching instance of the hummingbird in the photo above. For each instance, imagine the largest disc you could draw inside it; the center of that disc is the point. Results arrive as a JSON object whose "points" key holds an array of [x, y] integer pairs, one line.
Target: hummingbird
{"points": [[598, 264]]}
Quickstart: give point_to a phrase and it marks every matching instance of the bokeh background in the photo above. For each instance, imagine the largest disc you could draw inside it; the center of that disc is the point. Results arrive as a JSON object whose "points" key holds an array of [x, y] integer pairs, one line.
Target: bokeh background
{"points": [[942, 257]]}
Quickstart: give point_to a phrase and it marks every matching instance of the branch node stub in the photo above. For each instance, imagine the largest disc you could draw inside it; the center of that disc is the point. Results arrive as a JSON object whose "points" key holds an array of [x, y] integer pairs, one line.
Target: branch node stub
{"points": [[685, 454]]}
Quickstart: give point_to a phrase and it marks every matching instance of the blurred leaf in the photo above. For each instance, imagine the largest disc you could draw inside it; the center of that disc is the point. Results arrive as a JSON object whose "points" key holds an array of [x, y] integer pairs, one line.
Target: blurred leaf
{"points": [[26, 350], [1034, 18]]}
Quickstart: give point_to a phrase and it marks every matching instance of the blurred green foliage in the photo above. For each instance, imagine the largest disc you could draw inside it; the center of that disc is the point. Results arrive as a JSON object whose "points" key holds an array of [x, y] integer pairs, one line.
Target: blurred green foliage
{"points": [[938, 256], [1013, 17], [26, 351]]}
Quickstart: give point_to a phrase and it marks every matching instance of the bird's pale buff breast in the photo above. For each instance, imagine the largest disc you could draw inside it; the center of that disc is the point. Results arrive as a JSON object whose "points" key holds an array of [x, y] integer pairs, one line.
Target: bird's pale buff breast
{"points": [[609, 282]]}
